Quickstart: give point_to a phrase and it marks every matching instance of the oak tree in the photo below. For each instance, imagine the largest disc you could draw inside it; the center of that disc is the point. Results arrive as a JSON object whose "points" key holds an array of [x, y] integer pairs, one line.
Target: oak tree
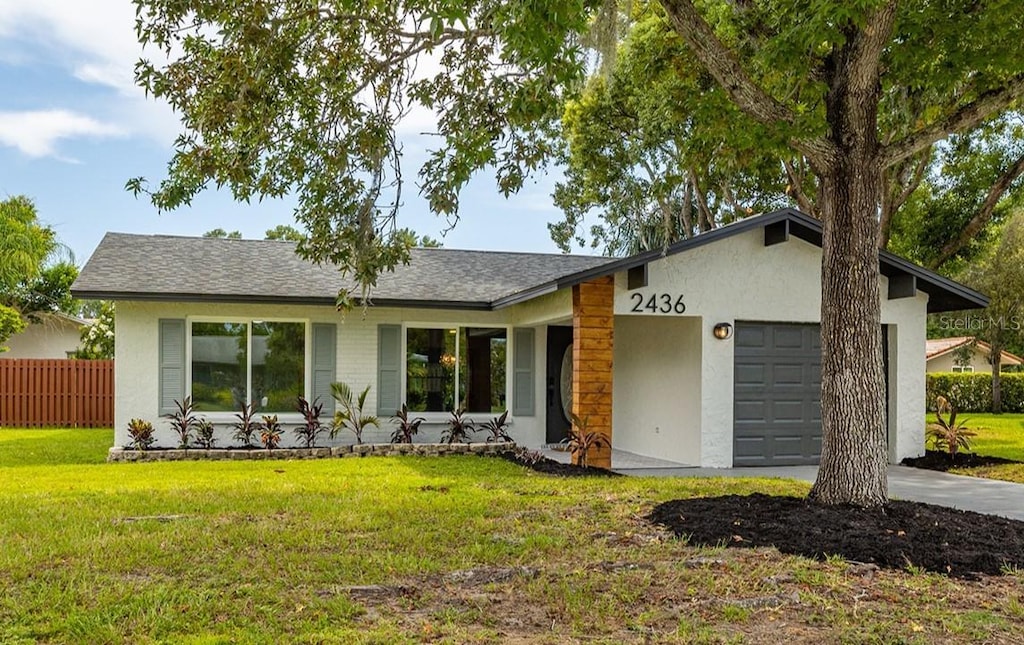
{"points": [[304, 96]]}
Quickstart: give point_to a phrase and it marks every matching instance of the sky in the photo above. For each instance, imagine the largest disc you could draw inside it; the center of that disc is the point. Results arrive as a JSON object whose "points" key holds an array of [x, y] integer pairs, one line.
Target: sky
{"points": [[74, 128]]}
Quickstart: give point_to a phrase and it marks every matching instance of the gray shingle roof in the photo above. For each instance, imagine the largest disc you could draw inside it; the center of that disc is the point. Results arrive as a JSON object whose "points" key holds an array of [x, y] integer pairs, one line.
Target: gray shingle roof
{"points": [[163, 267]]}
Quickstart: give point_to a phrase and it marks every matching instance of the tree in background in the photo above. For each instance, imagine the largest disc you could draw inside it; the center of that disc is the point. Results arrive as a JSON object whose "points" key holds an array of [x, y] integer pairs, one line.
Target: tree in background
{"points": [[969, 188], [999, 273], [659, 153], [25, 244], [656, 152], [220, 233], [47, 293], [281, 98], [409, 237], [284, 232]]}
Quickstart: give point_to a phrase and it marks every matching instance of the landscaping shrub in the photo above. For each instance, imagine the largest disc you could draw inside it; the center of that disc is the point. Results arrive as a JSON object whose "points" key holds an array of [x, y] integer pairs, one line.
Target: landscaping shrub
{"points": [[973, 392]]}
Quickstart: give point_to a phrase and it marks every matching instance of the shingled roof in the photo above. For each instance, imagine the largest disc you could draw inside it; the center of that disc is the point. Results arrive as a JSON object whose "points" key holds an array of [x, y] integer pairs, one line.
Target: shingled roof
{"points": [[173, 268], [164, 267]]}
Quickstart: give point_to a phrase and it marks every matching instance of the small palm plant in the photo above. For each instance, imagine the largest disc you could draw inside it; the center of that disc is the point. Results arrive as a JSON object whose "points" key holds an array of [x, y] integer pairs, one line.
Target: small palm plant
{"points": [[405, 427], [582, 440], [270, 431], [183, 420], [459, 427], [497, 429], [246, 427], [311, 426], [950, 435], [204, 434], [350, 415]]}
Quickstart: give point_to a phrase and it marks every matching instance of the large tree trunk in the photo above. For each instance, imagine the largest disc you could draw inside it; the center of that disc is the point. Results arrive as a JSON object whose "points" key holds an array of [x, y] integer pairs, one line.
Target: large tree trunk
{"points": [[848, 162], [853, 453]]}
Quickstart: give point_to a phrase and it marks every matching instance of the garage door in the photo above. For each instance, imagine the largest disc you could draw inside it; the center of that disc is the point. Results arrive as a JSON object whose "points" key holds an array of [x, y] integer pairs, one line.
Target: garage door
{"points": [[777, 414]]}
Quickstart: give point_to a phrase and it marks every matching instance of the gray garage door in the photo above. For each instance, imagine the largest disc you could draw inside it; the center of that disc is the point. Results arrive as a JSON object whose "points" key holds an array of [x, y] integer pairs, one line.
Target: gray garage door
{"points": [[777, 415]]}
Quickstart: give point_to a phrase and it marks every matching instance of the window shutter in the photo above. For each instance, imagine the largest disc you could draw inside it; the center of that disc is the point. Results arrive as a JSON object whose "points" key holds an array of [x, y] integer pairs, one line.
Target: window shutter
{"points": [[389, 369], [171, 338], [325, 361], [523, 380]]}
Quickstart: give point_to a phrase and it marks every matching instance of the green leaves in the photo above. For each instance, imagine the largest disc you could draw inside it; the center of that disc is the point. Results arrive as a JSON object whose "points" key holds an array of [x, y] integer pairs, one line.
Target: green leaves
{"points": [[305, 99], [658, 151], [25, 243]]}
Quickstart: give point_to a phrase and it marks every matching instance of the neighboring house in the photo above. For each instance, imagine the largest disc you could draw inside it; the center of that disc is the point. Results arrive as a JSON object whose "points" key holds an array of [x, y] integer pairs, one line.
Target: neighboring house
{"points": [[963, 354], [706, 353], [54, 335]]}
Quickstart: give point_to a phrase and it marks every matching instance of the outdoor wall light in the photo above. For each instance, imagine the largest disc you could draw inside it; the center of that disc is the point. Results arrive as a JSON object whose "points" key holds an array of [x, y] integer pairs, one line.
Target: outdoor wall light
{"points": [[723, 331]]}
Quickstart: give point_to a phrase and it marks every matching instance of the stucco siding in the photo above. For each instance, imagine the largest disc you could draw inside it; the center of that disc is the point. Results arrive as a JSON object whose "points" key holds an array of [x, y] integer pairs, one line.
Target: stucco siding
{"points": [[657, 388], [741, 279], [53, 338]]}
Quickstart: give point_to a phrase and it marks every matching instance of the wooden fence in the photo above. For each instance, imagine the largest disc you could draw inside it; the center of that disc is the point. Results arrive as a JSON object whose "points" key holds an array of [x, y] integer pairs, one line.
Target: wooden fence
{"points": [[56, 392]]}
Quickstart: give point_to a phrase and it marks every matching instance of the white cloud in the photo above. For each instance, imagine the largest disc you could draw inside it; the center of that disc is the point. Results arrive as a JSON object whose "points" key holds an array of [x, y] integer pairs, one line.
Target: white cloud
{"points": [[95, 42], [36, 133], [98, 34]]}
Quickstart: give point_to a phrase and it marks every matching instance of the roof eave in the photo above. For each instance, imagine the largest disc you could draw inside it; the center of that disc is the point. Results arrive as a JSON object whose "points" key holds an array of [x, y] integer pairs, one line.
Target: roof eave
{"points": [[90, 294], [955, 296]]}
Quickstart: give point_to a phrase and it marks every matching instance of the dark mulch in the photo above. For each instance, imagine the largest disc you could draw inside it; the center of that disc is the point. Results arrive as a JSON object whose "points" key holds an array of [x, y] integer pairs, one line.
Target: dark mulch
{"points": [[534, 461], [935, 460], [962, 544]]}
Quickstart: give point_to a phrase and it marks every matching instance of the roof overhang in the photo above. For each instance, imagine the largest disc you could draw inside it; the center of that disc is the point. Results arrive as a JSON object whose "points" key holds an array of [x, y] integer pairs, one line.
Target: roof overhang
{"points": [[467, 305], [904, 276]]}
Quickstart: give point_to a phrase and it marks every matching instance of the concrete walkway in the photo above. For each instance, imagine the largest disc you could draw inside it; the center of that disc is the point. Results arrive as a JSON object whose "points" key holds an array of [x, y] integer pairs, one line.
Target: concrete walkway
{"points": [[914, 484]]}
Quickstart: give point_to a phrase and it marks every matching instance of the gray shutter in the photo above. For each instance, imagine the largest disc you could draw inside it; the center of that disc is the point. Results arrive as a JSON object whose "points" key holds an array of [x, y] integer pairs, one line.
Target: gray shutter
{"points": [[523, 380], [171, 338], [325, 361], [389, 369]]}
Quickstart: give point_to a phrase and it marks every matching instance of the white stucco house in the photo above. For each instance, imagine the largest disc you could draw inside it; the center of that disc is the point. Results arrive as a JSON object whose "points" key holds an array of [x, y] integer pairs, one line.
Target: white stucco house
{"points": [[55, 335], [705, 354], [963, 354]]}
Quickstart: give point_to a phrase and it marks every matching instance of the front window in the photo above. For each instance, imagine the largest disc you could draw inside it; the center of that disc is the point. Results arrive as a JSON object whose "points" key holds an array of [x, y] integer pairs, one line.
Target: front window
{"points": [[450, 367], [963, 368], [238, 362]]}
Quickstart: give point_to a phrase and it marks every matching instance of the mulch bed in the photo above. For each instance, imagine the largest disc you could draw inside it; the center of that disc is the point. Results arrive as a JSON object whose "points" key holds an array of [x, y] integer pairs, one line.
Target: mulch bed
{"points": [[530, 460], [935, 460], [901, 534]]}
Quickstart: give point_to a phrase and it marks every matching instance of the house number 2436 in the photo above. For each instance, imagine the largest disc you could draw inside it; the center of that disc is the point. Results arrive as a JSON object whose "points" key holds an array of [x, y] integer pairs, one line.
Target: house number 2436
{"points": [[658, 303]]}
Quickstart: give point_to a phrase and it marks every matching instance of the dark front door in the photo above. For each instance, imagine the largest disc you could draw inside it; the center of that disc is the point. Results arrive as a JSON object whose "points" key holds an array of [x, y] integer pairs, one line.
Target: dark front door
{"points": [[558, 380]]}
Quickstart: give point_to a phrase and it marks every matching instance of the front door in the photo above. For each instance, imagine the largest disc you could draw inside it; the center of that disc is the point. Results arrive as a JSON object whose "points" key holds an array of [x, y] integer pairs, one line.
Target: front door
{"points": [[559, 382]]}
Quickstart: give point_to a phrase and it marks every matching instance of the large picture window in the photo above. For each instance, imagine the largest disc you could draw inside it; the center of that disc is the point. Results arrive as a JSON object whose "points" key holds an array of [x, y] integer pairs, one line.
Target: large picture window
{"points": [[238, 362], [456, 367]]}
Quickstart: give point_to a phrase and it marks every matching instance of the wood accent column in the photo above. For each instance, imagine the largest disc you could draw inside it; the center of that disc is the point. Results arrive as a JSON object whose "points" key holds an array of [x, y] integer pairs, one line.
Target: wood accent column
{"points": [[593, 328]]}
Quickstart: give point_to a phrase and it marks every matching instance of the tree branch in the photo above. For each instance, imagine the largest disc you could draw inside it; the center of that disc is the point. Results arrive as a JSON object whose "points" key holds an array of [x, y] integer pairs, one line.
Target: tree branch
{"points": [[723, 65], [891, 201], [983, 215], [730, 75], [705, 219], [966, 118], [796, 189]]}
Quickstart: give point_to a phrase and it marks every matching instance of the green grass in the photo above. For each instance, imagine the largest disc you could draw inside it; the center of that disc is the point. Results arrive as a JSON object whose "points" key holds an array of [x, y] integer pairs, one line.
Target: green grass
{"points": [[264, 551], [998, 435]]}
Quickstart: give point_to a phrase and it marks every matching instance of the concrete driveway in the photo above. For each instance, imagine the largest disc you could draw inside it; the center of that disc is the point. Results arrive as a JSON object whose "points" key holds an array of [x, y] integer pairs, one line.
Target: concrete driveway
{"points": [[914, 484]]}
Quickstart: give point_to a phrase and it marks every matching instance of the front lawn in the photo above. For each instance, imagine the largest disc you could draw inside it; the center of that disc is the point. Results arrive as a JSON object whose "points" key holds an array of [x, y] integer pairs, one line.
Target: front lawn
{"points": [[999, 435], [419, 549]]}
